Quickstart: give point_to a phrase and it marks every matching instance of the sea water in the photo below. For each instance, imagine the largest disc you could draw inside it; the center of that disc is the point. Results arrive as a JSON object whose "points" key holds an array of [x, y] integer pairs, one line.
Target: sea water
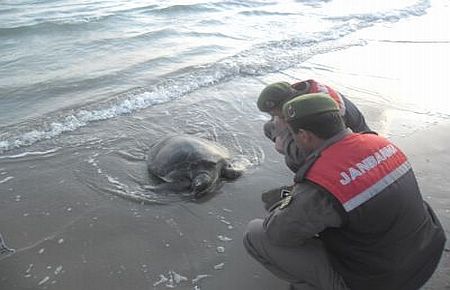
{"points": [[66, 64]]}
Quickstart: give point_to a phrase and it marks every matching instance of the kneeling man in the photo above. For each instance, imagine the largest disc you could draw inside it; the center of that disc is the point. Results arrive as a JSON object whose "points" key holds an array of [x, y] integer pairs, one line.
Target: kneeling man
{"points": [[355, 218]]}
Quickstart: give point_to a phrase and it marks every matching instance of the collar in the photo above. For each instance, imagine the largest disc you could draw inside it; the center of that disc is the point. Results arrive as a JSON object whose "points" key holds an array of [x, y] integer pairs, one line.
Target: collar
{"points": [[314, 155]]}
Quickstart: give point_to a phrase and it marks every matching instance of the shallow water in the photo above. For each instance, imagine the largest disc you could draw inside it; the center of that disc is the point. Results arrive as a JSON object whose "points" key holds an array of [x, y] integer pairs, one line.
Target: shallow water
{"points": [[81, 208]]}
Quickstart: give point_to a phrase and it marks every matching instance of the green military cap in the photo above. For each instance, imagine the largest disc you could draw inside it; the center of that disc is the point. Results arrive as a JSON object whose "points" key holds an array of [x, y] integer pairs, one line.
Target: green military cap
{"points": [[307, 105], [274, 95]]}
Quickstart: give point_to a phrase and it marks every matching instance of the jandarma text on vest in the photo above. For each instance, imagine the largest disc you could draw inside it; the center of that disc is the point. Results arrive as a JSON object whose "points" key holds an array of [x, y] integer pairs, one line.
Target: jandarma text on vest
{"points": [[367, 164]]}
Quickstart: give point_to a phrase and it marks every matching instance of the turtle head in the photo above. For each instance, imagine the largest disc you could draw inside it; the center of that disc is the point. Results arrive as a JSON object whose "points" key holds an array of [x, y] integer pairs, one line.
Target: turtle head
{"points": [[201, 183], [231, 172]]}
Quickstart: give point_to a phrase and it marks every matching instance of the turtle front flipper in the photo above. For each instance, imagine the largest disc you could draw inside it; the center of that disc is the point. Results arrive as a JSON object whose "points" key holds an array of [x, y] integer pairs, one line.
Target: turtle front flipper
{"points": [[201, 184]]}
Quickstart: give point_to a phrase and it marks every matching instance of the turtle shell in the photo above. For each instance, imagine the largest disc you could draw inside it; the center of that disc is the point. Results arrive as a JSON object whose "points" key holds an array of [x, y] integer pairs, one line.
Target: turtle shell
{"points": [[183, 156]]}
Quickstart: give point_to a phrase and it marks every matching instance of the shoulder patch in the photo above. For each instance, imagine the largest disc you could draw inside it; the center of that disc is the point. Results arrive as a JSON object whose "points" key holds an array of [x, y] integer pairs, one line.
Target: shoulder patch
{"points": [[285, 201]]}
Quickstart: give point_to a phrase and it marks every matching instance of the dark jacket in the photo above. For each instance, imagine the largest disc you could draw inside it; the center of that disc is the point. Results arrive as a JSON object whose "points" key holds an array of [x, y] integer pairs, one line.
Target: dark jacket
{"points": [[389, 238]]}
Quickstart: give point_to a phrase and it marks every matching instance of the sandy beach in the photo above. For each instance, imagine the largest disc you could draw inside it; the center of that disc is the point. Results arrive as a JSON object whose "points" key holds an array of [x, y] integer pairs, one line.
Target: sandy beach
{"points": [[71, 231]]}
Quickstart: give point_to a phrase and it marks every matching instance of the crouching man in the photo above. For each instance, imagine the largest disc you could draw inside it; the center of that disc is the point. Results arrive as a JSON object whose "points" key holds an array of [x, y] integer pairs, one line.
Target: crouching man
{"points": [[355, 218]]}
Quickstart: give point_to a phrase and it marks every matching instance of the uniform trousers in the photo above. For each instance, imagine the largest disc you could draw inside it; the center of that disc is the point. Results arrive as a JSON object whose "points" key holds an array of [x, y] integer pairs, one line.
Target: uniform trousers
{"points": [[306, 267]]}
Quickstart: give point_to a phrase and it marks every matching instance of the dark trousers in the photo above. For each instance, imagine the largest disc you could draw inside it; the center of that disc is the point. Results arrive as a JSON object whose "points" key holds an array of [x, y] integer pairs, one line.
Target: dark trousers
{"points": [[306, 267]]}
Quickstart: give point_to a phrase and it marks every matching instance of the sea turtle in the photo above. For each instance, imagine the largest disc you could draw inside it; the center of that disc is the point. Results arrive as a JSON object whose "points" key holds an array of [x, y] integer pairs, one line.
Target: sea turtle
{"points": [[189, 164]]}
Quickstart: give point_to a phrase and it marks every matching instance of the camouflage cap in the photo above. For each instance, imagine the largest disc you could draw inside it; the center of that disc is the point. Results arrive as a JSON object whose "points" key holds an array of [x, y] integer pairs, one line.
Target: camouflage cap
{"points": [[307, 105], [274, 95]]}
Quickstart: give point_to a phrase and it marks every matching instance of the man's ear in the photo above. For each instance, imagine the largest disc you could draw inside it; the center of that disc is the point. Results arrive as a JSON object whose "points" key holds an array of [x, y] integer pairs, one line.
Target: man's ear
{"points": [[304, 135], [307, 137], [310, 135]]}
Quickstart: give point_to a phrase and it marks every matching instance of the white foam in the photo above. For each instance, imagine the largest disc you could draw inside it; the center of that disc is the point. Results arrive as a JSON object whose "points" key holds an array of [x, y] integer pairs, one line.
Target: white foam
{"points": [[199, 278], [58, 269], [219, 266], [252, 62], [30, 153], [28, 270], [172, 280], [224, 238], [271, 56], [6, 179], [162, 279], [44, 280]]}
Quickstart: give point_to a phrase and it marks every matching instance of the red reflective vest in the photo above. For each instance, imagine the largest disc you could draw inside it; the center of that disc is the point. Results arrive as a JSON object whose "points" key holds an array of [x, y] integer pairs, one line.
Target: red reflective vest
{"points": [[312, 87], [390, 238], [358, 167]]}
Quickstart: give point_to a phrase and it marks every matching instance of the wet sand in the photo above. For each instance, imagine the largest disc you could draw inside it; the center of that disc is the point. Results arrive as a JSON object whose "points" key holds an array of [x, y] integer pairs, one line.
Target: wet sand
{"points": [[72, 233], [63, 210]]}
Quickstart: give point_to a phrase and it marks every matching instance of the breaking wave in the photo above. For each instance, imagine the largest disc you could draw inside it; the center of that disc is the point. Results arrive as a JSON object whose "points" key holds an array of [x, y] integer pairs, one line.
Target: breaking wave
{"points": [[260, 59]]}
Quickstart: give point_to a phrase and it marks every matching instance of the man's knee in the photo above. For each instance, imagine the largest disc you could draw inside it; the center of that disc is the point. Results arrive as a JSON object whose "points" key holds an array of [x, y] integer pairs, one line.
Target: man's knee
{"points": [[254, 228], [253, 236]]}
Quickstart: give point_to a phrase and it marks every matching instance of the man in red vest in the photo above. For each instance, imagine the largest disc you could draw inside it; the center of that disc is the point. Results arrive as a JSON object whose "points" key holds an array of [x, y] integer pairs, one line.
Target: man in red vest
{"points": [[355, 218], [274, 96], [271, 100]]}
